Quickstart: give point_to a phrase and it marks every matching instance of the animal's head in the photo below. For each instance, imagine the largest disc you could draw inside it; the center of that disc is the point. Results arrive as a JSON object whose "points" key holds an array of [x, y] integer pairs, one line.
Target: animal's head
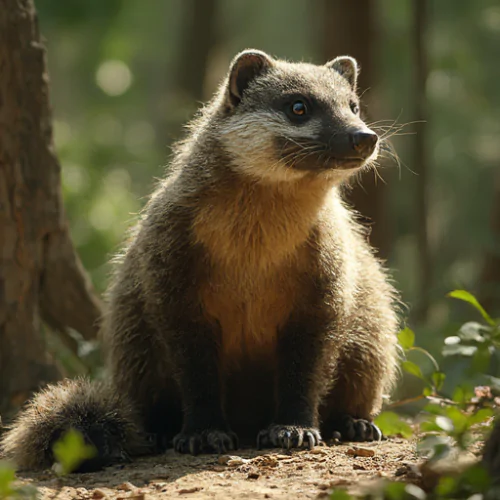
{"points": [[281, 121]]}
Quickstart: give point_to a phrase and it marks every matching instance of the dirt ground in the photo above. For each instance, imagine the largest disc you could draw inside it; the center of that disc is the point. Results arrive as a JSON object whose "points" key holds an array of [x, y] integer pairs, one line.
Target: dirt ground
{"points": [[248, 474]]}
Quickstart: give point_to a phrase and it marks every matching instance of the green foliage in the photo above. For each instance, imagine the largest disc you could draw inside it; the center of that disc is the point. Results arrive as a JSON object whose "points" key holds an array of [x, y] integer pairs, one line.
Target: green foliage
{"points": [[8, 489], [340, 495], [7, 476], [406, 338], [387, 491], [391, 424], [70, 451], [446, 423], [468, 297]]}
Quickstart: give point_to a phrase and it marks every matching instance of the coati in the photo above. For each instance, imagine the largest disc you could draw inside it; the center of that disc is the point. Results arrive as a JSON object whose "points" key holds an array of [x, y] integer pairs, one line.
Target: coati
{"points": [[248, 304]]}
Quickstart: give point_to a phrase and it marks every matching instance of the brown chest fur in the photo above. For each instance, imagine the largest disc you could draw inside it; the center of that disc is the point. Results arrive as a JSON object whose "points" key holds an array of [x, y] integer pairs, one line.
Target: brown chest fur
{"points": [[256, 237]]}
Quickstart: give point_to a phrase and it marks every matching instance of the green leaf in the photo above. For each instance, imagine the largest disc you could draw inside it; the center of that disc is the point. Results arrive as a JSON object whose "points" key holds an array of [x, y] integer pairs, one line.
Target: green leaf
{"points": [[438, 379], [463, 395], [430, 426], [406, 338], [477, 477], [410, 367], [446, 486], [457, 417], [434, 409], [7, 477], [480, 416], [452, 340], [415, 492], [473, 332], [444, 423], [434, 447], [71, 451], [395, 491], [468, 297], [340, 495], [390, 424], [459, 350]]}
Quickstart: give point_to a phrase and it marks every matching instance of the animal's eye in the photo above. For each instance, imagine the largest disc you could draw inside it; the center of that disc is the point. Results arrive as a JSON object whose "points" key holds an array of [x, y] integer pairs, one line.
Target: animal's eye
{"points": [[354, 107], [299, 108]]}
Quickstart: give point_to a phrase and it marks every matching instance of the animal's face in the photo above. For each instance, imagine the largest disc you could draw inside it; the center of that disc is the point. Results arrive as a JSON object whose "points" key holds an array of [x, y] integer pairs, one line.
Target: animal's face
{"points": [[285, 120]]}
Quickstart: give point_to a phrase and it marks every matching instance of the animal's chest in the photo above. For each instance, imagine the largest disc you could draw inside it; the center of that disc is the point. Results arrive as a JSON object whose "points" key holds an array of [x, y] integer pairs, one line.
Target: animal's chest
{"points": [[255, 238], [249, 309]]}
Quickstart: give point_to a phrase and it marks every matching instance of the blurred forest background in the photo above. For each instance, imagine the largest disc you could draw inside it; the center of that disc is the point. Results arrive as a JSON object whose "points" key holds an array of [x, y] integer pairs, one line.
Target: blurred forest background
{"points": [[125, 76]]}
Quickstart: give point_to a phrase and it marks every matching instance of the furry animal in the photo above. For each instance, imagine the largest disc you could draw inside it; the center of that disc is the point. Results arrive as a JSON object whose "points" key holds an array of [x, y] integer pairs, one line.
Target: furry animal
{"points": [[248, 304], [101, 415]]}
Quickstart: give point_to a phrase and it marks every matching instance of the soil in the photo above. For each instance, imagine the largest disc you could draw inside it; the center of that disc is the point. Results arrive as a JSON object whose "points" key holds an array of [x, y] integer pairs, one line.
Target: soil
{"points": [[248, 474]]}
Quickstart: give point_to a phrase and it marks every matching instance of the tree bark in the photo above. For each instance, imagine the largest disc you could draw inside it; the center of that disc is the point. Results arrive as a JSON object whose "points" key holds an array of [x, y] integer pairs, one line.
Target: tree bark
{"points": [[41, 276], [349, 28], [421, 157]]}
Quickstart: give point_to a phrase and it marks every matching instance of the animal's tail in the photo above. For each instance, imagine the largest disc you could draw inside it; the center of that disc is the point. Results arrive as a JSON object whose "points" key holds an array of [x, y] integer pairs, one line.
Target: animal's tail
{"points": [[102, 417]]}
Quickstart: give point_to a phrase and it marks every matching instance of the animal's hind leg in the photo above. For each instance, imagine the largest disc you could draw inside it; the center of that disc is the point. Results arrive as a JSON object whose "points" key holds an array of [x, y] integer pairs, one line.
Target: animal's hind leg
{"points": [[141, 371]]}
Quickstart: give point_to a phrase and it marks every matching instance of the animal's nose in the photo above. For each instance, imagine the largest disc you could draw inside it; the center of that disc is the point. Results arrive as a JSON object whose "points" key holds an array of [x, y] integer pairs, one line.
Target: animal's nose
{"points": [[364, 142]]}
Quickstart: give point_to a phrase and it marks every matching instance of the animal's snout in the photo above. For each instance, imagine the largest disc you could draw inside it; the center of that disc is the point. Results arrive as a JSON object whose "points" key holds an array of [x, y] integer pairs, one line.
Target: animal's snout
{"points": [[363, 142]]}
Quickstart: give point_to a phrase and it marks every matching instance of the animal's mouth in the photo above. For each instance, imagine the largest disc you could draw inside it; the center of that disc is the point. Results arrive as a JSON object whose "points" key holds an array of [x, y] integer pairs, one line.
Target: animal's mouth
{"points": [[317, 157], [330, 163], [348, 163]]}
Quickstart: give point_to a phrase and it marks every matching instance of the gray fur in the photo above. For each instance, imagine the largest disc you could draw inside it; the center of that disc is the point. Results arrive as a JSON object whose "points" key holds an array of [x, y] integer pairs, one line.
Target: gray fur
{"points": [[248, 298]]}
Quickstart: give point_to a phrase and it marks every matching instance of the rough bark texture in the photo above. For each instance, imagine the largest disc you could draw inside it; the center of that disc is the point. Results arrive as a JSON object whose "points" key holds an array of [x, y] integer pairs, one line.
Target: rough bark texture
{"points": [[40, 273], [349, 29]]}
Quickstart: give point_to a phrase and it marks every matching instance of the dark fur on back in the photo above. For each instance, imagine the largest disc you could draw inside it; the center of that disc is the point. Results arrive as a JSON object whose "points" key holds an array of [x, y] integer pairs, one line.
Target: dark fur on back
{"points": [[249, 302]]}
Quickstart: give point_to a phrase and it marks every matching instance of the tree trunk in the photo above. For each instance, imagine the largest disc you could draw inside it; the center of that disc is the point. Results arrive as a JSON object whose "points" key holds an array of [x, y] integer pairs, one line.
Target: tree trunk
{"points": [[41, 276], [198, 41], [490, 276], [420, 156], [349, 29]]}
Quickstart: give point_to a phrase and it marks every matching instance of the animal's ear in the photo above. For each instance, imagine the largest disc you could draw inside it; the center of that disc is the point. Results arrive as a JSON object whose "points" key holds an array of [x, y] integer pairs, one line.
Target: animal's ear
{"points": [[244, 68], [347, 67]]}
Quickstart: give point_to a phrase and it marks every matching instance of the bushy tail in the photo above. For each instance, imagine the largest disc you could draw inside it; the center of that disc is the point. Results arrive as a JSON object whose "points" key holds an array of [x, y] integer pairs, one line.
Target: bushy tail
{"points": [[103, 418]]}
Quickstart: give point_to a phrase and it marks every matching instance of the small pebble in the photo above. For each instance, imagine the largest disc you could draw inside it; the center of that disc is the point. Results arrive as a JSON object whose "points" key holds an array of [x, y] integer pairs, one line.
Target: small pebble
{"points": [[126, 487], [268, 461], [231, 461], [360, 452], [318, 451], [190, 490]]}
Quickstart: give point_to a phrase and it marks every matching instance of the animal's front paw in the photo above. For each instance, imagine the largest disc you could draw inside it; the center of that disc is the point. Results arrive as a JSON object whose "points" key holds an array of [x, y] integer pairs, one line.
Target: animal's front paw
{"points": [[348, 428], [288, 436], [208, 441]]}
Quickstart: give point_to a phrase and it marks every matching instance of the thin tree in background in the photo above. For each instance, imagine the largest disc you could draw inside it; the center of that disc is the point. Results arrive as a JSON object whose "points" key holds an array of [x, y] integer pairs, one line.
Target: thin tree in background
{"points": [[197, 42], [349, 28], [420, 155], [490, 276], [41, 277]]}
